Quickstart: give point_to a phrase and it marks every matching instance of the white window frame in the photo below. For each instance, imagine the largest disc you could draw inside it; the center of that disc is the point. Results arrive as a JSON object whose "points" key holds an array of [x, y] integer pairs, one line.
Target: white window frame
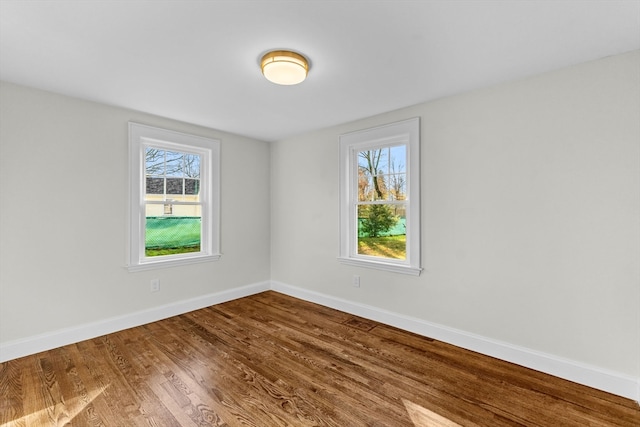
{"points": [[406, 132], [143, 136]]}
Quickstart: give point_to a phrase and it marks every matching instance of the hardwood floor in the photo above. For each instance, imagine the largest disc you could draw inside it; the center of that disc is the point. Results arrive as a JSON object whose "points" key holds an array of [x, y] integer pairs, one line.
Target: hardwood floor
{"points": [[272, 360]]}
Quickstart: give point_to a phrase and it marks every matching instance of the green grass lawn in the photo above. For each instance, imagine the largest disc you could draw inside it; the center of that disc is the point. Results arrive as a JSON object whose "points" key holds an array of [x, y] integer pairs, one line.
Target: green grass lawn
{"points": [[386, 247], [171, 251]]}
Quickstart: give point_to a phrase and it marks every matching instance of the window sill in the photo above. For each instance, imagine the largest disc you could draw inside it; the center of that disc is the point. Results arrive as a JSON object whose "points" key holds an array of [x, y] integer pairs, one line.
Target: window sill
{"points": [[153, 265], [395, 268]]}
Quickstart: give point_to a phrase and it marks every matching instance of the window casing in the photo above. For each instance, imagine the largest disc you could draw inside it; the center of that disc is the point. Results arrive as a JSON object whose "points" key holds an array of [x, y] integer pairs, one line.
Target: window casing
{"points": [[380, 197], [174, 198]]}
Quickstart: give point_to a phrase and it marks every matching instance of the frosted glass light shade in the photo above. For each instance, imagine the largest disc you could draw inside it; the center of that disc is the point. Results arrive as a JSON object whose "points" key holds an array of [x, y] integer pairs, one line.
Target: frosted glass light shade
{"points": [[284, 67]]}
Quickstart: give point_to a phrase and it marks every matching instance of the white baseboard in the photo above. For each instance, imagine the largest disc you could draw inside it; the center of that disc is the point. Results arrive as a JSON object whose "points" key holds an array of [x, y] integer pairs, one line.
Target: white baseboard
{"points": [[609, 381], [35, 344], [602, 379]]}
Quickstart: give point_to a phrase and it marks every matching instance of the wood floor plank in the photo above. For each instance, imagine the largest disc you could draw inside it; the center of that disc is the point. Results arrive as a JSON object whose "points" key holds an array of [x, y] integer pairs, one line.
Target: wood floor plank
{"points": [[273, 360], [11, 390], [100, 384]]}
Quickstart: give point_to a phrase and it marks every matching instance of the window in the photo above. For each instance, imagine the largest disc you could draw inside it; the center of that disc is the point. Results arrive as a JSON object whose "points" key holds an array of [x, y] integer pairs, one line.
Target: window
{"points": [[380, 197], [174, 206]]}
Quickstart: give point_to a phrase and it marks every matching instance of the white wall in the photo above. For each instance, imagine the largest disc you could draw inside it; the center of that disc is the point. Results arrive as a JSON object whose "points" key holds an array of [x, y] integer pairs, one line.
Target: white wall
{"points": [[63, 216], [531, 207]]}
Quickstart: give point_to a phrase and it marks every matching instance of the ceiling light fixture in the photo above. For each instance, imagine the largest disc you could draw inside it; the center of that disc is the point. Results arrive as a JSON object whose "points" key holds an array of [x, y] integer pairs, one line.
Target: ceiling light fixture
{"points": [[284, 67]]}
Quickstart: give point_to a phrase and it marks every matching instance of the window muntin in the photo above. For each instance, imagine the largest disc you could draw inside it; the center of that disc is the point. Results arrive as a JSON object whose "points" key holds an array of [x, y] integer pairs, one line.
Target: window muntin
{"points": [[380, 197], [174, 205]]}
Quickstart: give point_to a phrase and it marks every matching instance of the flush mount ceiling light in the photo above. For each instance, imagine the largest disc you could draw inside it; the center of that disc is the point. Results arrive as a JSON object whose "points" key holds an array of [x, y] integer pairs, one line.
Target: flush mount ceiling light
{"points": [[284, 67]]}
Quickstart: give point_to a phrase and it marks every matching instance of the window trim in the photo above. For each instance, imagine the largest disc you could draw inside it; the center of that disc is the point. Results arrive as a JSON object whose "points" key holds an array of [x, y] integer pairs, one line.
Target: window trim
{"points": [[403, 132], [141, 136]]}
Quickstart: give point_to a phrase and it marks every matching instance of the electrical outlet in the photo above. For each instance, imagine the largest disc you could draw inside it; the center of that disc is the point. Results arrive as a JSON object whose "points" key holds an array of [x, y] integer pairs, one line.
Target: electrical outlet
{"points": [[355, 281], [155, 285]]}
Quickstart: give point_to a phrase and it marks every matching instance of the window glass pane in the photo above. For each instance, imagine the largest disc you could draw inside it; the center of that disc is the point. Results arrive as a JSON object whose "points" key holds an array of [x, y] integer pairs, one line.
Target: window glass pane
{"points": [[191, 167], [383, 162], [398, 186], [369, 161], [154, 161], [175, 234], [174, 163], [397, 159], [380, 187], [191, 186], [397, 179], [378, 171], [174, 185], [155, 185], [382, 231], [174, 166], [365, 187]]}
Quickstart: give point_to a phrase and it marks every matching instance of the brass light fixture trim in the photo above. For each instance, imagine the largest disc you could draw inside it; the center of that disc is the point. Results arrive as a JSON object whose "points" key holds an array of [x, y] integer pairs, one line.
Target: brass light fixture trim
{"points": [[284, 67]]}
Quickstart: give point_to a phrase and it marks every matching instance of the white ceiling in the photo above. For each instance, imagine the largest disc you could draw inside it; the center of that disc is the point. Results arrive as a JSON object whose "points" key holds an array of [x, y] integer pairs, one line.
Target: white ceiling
{"points": [[198, 61]]}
